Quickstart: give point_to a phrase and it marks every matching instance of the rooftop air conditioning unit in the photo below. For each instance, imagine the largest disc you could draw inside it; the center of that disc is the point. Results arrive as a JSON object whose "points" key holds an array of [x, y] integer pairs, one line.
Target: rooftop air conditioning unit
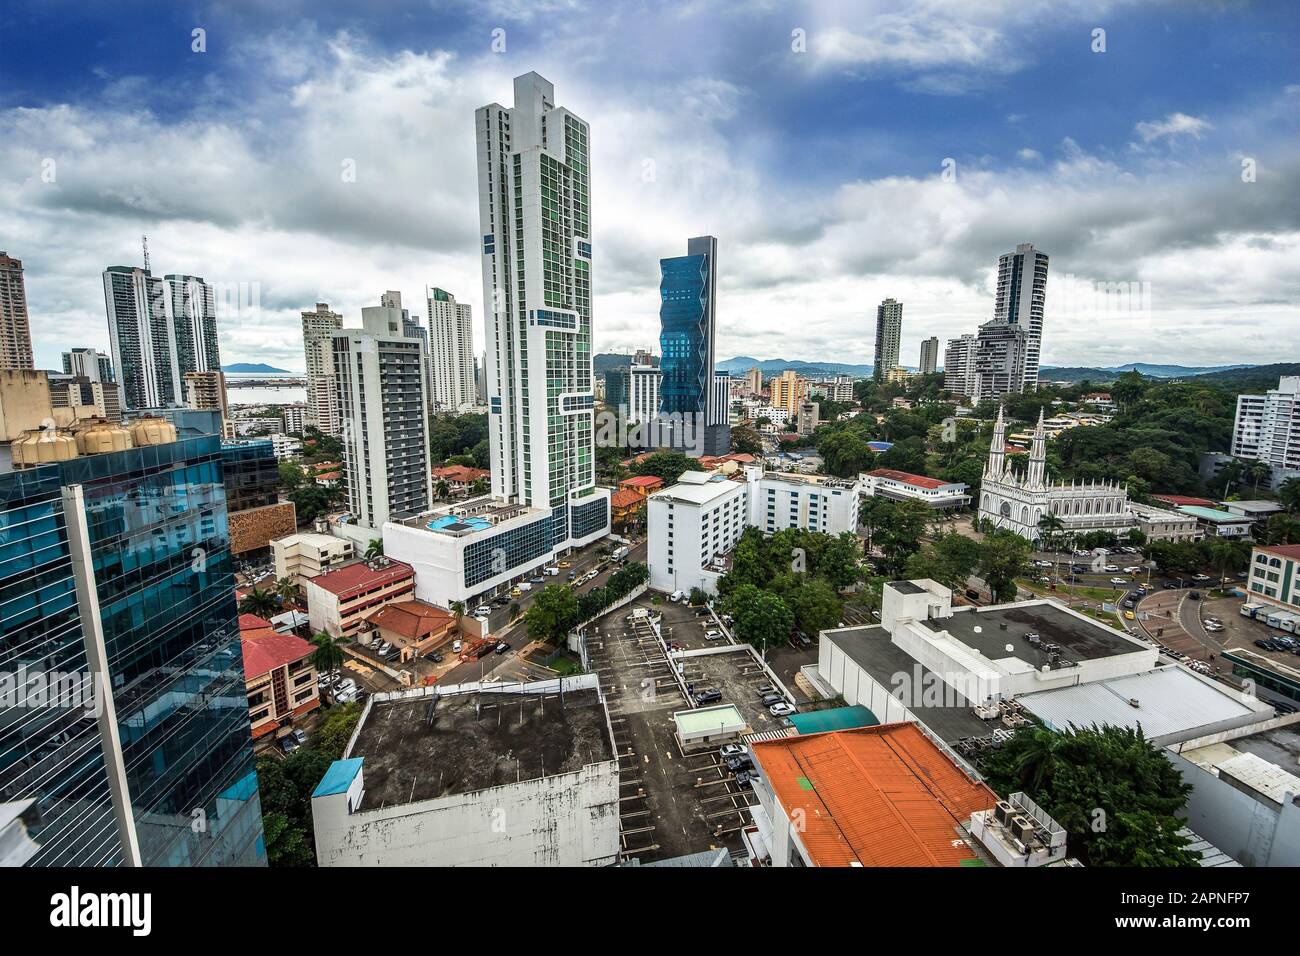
{"points": [[1003, 811], [1021, 828], [1134, 702]]}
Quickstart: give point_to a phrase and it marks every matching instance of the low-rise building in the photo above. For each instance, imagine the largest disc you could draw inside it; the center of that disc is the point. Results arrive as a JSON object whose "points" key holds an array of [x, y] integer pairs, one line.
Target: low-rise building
{"points": [[1274, 576], [903, 486], [278, 674], [413, 627], [339, 601], [285, 447], [475, 775], [780, 500], [691, 526], [306, 555], [1216, 523], [872, 796], [1159, 524], [459, 478]]}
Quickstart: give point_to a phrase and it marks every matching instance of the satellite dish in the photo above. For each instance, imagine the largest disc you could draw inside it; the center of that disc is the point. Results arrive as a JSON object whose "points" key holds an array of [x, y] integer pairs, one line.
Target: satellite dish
{"points": [[977, 629]]}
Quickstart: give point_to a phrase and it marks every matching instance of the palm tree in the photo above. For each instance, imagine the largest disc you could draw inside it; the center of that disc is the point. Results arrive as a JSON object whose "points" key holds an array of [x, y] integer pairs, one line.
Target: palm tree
{"points": [[327, 656], [1226, 556], [1289, 494], [1038, 763], [513, 610], [287, 588], [457, 609], [440, 490], [1258, 471], [259, 602], [374, 549]]}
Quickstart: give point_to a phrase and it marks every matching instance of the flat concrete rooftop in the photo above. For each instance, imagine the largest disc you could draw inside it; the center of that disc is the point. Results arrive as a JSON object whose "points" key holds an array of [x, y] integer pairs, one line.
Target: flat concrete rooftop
{"points": [[429, 746], [1280, 745], [872, 650], [1079, 639]]}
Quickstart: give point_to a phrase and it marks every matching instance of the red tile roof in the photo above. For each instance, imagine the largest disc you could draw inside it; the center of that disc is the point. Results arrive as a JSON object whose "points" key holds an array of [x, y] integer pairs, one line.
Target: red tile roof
{"points": [[414, 620], [1291, 551], [248, 622], [874, 796], [354, 578], [641, 481], [1186, 500], [920, 481], [265, 649], [625, 498], [460, 473]]}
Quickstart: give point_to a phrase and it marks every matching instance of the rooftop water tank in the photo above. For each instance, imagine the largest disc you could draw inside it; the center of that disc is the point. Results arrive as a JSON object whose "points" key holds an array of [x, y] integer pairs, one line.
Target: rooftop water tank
{"points": [[152, 430], [41, 446], [99, 436]]}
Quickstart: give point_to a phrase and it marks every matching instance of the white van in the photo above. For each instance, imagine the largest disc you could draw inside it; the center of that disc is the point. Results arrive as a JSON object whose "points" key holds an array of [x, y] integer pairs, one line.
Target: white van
{"points": [[676, 595], [524, 586], [551, 571]]}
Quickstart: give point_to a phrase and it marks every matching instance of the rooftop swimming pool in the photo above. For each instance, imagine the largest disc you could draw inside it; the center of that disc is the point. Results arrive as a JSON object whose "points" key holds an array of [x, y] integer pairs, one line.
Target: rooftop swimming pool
{"points": [[444, 522]]}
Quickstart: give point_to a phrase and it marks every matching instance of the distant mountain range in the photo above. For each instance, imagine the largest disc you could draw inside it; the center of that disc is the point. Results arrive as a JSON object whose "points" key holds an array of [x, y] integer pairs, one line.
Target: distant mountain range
{"points": [[260, 368], [743, 363], [1078, 373]]}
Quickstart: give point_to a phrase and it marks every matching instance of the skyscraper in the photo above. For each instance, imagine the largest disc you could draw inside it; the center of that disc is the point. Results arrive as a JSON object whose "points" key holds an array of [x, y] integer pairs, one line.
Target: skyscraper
{"points": [[787, 391], [959, 365], [118, 577], [159, 329], [318, 330], [1000, 353], [138, 331], [1021, 293], [15, 332], [534, 211], [889, 329], [452, 344], [929, 355], [687, 398], [382, 402], [1267, 429], [192, 310], [89, 363]]}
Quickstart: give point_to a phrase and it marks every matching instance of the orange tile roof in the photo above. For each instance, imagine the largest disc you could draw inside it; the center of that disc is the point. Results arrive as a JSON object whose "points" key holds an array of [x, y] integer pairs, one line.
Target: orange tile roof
{"points": [[460, 473], [414, 620], [875, 796], [352, 579], [625, 498], [641, 481]]}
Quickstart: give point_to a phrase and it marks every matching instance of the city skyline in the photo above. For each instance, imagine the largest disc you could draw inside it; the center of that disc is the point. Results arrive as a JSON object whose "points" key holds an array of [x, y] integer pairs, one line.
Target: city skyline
{"points": [[1153, 196]]}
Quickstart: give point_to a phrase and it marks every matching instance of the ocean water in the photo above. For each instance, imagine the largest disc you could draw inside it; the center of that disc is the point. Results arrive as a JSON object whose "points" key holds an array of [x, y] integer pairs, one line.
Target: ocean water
{"points": [[290, 393]]}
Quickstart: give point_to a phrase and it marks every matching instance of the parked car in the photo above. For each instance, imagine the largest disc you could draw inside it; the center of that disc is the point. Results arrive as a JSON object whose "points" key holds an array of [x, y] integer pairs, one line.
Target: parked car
{"points": [[1119, 581], [746, 778], [727, 751], [564, 564], [537, 580], [501, 647], [434, 656], [736, 764], [708, 696], [289, 743], [782, 709], [770, 699], [456, 646], [765, 689], [1213, 628], [713, 635], [1200, 577], [1111, 568]]}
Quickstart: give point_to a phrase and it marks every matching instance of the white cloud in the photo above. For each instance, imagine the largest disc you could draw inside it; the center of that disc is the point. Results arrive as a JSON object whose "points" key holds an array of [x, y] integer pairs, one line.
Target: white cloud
{"points": [[1171, 127]]}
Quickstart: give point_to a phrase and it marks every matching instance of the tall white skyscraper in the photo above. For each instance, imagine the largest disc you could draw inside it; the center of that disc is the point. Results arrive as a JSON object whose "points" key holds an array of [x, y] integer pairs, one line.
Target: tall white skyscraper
{"points": [[1021, 294], [535, 215], [193, 314], [959, 365], [452, 345], [136, 303], [889, 329], [15, 333], [1267, 429], [643, 393], [318, 328], [382, 402]]}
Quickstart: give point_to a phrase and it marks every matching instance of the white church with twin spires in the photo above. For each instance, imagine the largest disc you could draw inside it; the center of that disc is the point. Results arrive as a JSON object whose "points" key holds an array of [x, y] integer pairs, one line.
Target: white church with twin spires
{"points": [[1016, 501]]}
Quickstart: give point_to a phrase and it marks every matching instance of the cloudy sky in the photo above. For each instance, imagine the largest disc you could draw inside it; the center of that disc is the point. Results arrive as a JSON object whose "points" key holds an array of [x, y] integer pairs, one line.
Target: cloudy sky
{"points": [[841, 152]]}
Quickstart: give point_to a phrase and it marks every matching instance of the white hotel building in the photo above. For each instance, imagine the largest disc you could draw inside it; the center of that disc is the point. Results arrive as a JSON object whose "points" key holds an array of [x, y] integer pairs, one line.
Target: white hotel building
{"points": [[534, 212], [696, 522], [1267, 429]]}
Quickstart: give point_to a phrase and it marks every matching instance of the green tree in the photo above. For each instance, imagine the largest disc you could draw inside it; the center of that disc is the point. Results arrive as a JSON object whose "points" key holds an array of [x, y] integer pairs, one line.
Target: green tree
{"points": [[1003, 558], [1288, 493], [1115, 794], [898, 535], [457, 609], [291, 476], [262, 603], [441, 489], [950, 560], [814, 602], [746, 441], [331, 736], [374, 549], [1227, 556], [1050, 527], [667, 465], [327, 656], [286, 588], [553, 612], [760, 618]]}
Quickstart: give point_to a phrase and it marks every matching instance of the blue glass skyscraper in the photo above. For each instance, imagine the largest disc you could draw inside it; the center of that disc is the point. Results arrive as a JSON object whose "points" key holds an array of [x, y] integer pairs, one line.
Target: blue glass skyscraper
{"points": [[117, 566], [687, 293]]}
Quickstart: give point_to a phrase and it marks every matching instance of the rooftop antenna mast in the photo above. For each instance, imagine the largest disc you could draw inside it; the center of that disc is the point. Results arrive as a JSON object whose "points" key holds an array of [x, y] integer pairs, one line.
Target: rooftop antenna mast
{"points": [[144, 241]]}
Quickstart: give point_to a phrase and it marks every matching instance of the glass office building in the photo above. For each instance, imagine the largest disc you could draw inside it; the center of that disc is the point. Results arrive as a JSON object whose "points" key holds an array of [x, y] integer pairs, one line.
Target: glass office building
{"points": [[690, 415], [115, 572]]}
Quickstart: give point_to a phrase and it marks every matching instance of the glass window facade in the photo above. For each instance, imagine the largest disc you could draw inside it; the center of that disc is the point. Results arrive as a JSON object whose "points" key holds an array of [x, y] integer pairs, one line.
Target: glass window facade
{"points": [[156, 520], [683, 339]]}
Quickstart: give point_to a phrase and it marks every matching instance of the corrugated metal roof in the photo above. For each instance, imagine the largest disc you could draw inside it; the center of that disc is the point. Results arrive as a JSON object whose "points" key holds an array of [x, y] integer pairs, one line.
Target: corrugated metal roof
{"points": [[873, 796], [835, 718], [1171, 701]]}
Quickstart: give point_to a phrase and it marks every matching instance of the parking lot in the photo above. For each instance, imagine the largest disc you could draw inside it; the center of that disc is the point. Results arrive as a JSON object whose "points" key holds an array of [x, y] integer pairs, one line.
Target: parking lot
{"points": [[736, 673], [673, 801]]}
